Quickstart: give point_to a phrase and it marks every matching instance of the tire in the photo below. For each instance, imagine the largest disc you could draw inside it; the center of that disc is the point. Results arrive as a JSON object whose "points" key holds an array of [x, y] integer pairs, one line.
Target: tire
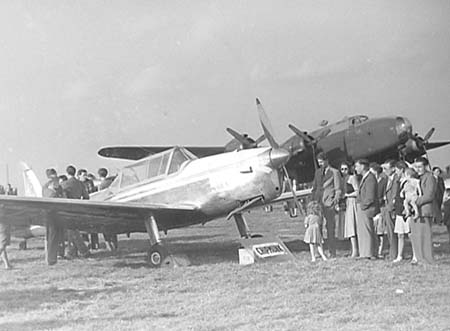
{"points": [[23, 245], [256, 235], [156, 255]]}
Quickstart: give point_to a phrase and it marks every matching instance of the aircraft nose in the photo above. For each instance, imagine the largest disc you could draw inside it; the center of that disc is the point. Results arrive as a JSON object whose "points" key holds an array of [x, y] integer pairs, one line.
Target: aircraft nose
{"points": [[403, 127], [278, 157]]}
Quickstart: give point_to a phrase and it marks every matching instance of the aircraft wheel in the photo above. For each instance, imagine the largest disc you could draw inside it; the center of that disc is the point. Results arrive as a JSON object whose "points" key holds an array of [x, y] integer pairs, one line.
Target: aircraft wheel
{"points": [[156, 255], [293, 212], [23, 245]]}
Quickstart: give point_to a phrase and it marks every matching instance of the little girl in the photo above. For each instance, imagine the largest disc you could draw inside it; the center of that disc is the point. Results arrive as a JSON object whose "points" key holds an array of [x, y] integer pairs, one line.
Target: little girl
{"points": [[313, 233], [411, 191]]}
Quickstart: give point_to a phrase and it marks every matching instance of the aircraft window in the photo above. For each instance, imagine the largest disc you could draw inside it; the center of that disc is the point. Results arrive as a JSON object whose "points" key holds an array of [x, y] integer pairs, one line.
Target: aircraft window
{"points": [[129, 177], [358, 119], [178, 158], [154, 166], [158, 165]]}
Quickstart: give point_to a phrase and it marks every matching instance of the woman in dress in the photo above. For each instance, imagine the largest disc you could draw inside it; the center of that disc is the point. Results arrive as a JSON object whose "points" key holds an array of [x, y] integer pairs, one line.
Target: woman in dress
{"points": [[351, 192], [340, 207]]}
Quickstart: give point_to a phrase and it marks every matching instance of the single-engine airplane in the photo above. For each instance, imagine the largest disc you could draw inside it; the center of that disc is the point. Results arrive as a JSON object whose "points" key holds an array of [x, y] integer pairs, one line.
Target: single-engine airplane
{"points": [[171, 189], [349, 139]]}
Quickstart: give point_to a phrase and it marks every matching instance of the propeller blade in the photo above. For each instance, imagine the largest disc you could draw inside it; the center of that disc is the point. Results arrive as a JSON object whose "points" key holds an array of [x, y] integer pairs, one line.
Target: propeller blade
{"points": [[266, 126], [428, 135], [323, 134], [292, 188], [436, 144], [238, 136], [260, 140], [301, 134]]}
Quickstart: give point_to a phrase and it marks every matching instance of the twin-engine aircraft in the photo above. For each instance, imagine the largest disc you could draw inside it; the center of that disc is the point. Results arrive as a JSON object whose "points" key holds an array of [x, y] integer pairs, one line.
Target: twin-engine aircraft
{"points": [[171, 189], [352, 138]]}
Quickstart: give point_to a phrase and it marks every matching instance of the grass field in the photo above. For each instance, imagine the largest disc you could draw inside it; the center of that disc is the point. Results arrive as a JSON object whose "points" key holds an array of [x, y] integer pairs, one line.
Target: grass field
{"points": [[119, 292]]}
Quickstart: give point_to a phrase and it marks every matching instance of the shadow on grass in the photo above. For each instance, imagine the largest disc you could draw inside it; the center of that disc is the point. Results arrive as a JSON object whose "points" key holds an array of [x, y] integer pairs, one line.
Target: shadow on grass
{"points": [[198, 252], [29, 299]]}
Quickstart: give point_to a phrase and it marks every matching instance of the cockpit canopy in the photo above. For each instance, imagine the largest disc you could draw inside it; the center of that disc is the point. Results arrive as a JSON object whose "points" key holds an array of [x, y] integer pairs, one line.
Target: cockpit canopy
{"points": [[155, 166], [358, 119]]}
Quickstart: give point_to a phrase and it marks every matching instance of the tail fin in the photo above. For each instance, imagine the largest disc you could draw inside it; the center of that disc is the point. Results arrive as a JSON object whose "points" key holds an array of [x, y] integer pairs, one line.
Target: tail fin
{"points": [[31, 183]]}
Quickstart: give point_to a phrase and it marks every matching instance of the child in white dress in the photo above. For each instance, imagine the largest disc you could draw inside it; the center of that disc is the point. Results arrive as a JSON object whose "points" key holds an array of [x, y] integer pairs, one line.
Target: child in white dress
{"points": [[313, 233]]}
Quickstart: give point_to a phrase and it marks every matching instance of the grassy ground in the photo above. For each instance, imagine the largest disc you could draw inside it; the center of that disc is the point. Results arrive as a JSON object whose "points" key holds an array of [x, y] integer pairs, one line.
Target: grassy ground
{"points": [[119, 292]]}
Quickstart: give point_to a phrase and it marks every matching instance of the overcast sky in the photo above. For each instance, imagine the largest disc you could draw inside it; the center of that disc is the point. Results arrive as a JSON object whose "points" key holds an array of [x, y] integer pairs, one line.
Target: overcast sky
{"points": [[79, 75]]}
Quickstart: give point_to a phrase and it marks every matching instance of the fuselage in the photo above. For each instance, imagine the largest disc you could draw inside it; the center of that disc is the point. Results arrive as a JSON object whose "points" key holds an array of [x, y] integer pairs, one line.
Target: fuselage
{"points": [[350, 139], [214, 185]]}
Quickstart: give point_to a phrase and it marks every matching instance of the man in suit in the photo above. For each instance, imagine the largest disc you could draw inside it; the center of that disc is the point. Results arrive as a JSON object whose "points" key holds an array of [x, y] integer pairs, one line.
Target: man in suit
{"points": [[367, 206], [440, 189], [388, 208], [54, 232], [327, 191], [378, 221], [74, 189], [421, 227]]}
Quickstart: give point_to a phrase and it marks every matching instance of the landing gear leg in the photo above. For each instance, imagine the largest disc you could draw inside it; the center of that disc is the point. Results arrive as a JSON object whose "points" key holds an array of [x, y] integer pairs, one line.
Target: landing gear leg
{"points": [[242, 226], [157, 252], [23, 245]]}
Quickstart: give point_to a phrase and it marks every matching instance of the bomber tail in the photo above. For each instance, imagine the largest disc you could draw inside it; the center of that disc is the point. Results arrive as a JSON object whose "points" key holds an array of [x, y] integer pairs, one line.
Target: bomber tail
{"points": [[31, 183]]}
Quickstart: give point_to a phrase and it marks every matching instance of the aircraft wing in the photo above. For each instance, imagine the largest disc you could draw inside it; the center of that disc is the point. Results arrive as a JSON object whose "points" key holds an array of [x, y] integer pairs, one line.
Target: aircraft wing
{"points": [[94, 216], [139, 152]]}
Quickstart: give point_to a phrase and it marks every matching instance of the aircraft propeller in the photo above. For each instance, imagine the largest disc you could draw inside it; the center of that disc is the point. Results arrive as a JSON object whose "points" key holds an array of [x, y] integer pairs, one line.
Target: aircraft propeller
{"points": [[416, 145], [277, 150], [310, 140]]}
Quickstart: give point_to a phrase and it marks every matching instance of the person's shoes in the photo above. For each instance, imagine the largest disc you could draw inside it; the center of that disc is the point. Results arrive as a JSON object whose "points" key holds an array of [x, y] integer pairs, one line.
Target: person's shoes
{"points": [[381, 256], [397, 260], [8, 267], [414, 262]]}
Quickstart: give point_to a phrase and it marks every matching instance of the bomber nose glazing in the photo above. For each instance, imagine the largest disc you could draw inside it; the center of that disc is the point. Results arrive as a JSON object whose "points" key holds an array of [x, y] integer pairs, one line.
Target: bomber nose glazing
{"points": [[278, 157], [403, 127]]}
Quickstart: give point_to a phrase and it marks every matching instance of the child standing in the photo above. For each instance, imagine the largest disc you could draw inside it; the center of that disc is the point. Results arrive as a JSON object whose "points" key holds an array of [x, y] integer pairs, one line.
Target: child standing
{"points": [[313, 233]]}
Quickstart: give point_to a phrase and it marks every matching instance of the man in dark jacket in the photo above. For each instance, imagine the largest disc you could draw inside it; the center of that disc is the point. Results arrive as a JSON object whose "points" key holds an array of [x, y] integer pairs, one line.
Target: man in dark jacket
{"points": [[440, 189], [74, 189], [326, 190], [54, 232], [367, 206]]}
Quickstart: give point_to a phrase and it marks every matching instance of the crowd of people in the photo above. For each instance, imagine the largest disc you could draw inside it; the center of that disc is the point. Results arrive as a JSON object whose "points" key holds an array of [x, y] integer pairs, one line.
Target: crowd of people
{"points": [[72, 185], [369, 202], [8, 190]]}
